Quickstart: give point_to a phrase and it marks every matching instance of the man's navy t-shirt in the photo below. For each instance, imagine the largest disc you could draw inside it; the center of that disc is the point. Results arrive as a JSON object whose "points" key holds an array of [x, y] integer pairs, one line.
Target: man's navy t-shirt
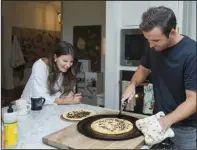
{"points": [[173, 71]]}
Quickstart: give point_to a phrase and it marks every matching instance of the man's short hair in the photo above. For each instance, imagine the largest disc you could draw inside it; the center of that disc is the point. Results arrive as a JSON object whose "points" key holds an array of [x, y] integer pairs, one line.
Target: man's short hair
{"points": [[161, 17]]}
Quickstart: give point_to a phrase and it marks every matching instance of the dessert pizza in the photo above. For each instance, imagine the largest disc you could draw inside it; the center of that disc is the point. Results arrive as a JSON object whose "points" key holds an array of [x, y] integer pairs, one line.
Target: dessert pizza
{"points": [[112, 126], [78, 114]]}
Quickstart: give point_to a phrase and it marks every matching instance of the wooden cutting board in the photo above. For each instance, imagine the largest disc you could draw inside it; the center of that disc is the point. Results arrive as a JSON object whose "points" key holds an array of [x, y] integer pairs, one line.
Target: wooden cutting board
{"points": [[69, 137]]}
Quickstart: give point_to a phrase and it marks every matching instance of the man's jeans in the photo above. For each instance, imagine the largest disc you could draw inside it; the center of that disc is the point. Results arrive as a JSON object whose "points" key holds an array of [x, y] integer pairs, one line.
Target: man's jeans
{"points": [[185, 138]]}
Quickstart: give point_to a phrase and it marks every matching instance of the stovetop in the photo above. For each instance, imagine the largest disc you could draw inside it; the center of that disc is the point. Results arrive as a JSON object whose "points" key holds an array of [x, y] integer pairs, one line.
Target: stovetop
{"points": [[166, 144]]}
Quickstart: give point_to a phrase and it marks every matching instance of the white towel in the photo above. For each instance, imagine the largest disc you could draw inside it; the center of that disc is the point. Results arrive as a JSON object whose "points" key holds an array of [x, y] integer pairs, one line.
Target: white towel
{"points": [[152, 130], [17, 58]]}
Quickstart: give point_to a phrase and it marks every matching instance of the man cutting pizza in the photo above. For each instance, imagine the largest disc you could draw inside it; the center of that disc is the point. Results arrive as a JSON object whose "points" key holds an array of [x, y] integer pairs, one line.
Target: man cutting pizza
{"points": [[171, 64]]}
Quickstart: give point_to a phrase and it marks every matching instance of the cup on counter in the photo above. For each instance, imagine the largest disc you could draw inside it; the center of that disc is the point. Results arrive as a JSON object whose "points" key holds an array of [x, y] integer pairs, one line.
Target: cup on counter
{"points": [[22, 107], [37, 103]]}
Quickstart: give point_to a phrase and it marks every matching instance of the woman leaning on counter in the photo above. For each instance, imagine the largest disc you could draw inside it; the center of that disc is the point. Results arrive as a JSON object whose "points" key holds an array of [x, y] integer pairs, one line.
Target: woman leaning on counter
{"points": [[54, 78]]}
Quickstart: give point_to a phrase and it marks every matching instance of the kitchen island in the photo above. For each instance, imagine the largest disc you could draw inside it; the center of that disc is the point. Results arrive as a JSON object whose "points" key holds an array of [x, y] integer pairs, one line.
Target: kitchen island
{"points": [[37, 124]]}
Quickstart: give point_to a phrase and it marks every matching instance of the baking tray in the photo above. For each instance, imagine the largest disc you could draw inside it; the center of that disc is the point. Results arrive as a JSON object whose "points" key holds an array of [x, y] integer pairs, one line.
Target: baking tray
{"points": [[84, 127]]}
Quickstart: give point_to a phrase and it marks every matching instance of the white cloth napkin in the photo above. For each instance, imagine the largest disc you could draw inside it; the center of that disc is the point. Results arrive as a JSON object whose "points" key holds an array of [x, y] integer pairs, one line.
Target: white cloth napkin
{"points": [[17, 57], [152, 130]]}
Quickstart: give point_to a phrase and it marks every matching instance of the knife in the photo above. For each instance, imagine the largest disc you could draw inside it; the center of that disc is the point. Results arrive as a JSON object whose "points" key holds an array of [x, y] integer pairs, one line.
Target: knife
{"points": [[123, 107]]}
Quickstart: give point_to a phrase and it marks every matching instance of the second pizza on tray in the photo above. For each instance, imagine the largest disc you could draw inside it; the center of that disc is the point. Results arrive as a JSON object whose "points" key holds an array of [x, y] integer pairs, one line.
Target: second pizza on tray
{"points": [[78, 114]]}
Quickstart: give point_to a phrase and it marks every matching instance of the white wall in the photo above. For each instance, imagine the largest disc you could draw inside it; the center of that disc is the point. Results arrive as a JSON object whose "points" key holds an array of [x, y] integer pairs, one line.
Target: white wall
{"points": [[82, 13], [113, 22], [192, 24], [35, 15], [189, 19]]}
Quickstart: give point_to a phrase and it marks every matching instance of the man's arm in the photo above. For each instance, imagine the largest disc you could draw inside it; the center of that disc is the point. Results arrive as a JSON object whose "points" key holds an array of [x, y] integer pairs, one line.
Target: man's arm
{"points": [[188, 107], [139, 76], [183, 111]]}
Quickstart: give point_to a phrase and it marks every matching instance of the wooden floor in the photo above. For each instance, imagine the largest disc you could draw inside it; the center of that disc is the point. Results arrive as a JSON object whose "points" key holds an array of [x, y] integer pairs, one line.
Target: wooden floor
{"points": [[9, 95]]}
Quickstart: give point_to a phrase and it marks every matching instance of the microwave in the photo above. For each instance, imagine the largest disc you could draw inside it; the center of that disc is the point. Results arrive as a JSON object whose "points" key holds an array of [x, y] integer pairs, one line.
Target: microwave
{"points": [[133, 46]]}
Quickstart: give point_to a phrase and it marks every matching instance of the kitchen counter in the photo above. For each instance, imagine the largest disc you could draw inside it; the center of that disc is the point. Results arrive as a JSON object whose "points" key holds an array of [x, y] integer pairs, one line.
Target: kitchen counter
{"points": [[37, 124]]}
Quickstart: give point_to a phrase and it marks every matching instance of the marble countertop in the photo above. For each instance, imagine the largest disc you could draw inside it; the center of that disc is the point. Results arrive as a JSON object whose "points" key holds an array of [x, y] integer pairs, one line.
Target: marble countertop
{"points": [[37, 124]]}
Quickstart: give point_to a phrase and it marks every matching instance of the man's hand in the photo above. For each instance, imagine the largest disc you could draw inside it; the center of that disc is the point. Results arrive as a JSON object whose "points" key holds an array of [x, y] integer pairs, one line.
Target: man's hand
{"points": [[151, 130], [165, 123], [77, 98], [129, 93], [139, 76]]}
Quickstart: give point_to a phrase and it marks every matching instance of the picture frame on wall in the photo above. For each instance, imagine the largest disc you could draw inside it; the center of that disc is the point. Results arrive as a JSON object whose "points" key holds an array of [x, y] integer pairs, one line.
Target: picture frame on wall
{"points": [[87, 43], [35, 43]]}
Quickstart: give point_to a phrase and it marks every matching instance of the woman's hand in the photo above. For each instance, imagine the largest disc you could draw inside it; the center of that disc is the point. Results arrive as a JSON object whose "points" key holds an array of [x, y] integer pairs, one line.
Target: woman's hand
{"points": [[76, 98]]}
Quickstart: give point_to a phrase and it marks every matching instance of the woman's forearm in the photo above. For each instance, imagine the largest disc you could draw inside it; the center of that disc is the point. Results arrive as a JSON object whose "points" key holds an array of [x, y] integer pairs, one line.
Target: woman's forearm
{"points": [[63, 100]]}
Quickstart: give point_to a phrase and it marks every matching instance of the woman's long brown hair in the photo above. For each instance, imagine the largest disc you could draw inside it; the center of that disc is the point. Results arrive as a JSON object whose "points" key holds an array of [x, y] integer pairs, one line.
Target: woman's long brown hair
{"points": [[69, 77]]}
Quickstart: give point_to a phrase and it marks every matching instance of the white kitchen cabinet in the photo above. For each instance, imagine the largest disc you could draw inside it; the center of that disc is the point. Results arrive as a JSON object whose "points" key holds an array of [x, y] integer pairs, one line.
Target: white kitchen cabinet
{"points": [[131, 12], [100, 100], [171, 4]]}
